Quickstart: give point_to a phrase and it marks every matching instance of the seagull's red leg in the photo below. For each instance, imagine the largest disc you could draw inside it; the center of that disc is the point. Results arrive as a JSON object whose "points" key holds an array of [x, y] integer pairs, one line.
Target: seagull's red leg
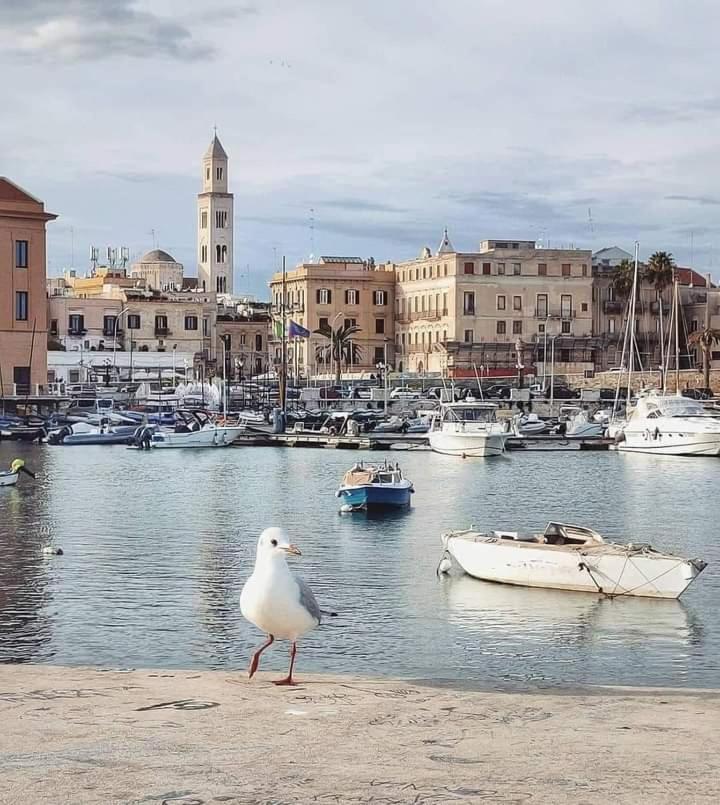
{"points": [[289, 679], [254, 662]]}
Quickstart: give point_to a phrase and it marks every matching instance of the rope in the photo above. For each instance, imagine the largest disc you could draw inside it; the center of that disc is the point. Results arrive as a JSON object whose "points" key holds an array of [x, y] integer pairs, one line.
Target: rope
{"points": [[585, 566]]}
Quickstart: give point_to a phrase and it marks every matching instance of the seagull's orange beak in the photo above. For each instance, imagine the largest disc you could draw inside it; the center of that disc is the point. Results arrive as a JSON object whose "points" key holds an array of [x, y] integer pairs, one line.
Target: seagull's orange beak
{"points": [[293, 549]]}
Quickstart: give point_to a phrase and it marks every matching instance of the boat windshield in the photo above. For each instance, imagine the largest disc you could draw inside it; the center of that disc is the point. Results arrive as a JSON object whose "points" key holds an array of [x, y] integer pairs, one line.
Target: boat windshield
{"points": [[469, 414], [680, 406]]}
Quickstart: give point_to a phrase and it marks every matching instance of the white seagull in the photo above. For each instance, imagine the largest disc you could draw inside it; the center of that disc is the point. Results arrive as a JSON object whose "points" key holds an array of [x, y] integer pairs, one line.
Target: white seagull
{"points": [[275, 600]]}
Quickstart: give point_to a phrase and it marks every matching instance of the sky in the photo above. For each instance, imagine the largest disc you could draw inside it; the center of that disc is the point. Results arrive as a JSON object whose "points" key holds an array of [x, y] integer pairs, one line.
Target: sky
{"points": [[364, 128]]}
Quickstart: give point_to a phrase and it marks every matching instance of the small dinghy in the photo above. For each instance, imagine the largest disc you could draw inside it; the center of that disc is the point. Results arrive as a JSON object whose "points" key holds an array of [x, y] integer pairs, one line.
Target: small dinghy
{"points": [[10, 477], [570, 557], [374, 486]]}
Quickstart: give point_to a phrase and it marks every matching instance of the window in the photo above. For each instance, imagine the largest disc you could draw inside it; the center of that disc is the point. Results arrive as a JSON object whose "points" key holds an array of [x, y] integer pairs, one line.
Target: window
{"points": [[221, 219], [566, 306], [541, 330], [542, 306], [565, 356], [243, 339], [206, 327], [611, 294], [611, 325], [21, 305], [76, 324], [565, 328], [486, 268], [445, 307], [21, 254], [203, 253], [349, 323], [501, 268], [133, 321], [380, 326], [517, 302], [469, 337], [207, 174], [203, 219], [323, 296], [380, 297], [500, 327], [469, 303], [191, 322], [584, 307], [323, 323], [469, 268], [424, 272], [542, 269], [161, 324], [53, 326], [219, 174], [584, 269], [109, 325], [352, 297], [693, 325], [379, 355], [422, 304], [500, 303], [517, 328], [517, 269], [445, 269], [566, 269], [258, 342]]}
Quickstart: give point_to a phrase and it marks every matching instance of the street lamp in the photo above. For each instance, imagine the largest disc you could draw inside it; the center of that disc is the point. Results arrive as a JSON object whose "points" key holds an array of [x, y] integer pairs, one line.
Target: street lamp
{"points": [[174, 376], [384, 368], [115, 327], [552, 370]]}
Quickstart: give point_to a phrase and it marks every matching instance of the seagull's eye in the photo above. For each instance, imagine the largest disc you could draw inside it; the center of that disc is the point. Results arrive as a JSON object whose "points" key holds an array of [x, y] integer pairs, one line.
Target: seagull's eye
{"points": [[273, 542]]}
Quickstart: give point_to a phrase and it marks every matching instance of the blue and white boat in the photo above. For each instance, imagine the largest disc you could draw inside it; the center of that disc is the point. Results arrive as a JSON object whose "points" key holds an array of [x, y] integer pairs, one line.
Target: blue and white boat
{"points": [[374, 486]]}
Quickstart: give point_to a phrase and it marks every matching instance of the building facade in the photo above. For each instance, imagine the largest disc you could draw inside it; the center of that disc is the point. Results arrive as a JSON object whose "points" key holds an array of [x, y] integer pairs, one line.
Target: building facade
{"points": [[215, 223], [23, 310], [504, 307], [159, 271], [333, 292], [84, 323], [243, 338]]}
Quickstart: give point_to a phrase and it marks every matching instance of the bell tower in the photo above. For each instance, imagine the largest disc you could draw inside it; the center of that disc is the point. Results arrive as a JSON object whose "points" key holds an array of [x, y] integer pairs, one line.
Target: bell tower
{"points": [[215, 222]]}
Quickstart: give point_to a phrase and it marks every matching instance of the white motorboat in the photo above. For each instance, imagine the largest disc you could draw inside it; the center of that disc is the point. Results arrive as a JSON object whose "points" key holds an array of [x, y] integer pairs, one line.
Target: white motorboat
{"points": [[569, 557], [531, 425], [574, 423], [196, 429], [468, 429], [670, 425]]}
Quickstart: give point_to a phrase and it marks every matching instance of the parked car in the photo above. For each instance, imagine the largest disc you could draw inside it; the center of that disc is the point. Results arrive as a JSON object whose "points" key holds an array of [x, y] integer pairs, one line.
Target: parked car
{"points": [[562, 392], [405, 393], [698, 393], [609, 394], [498, 391]]}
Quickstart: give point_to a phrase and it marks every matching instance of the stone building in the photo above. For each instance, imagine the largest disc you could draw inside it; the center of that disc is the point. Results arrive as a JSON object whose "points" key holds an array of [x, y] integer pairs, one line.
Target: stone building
{"points": [[215, 223], [23, 310], [244, 329], [84, 323], [489, 310], [159, 270], [332, 292]]}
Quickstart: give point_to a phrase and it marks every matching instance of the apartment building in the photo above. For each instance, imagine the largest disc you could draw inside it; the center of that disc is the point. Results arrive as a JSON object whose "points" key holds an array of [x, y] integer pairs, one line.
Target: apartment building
{"points": [[23, 312], [244, 331], [332, 292], [489, 310]]}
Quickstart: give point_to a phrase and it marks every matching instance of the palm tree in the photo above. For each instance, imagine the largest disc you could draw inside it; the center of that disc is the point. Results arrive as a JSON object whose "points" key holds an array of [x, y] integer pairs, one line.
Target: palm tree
{"points": [[661, 273], [340, 347], [705, 339], [623, 277]]}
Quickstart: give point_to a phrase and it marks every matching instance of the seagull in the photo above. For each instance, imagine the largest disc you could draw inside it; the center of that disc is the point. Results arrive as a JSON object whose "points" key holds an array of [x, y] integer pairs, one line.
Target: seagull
{"points": [[275, 600]]}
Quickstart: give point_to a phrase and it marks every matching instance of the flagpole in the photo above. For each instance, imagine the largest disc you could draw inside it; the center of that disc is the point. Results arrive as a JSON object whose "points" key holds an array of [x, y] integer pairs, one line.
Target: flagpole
{"points": [[283, 364]]}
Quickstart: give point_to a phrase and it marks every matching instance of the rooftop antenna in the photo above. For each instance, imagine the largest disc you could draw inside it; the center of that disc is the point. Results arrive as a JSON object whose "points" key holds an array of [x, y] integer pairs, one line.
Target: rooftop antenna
{"points": [[152, 234], [590, 223], [72, 247], [312, 232], [94, 252], [692, 236]]}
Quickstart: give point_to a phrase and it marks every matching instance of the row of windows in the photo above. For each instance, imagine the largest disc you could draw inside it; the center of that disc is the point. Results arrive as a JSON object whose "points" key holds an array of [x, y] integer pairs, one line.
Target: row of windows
{"points": [[416, 304], [218, 174], [323, 296], [243, 341], [323, 321], [469, 334], [420, 338], [221, 253], [486, 269], [76, 324]]}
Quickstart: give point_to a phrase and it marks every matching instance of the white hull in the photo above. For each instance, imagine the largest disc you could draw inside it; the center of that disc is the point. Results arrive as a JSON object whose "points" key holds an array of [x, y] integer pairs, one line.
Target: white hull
{"points": [[467, 444], [675, 444], [207, 437], [606, 568], [8, 478]]}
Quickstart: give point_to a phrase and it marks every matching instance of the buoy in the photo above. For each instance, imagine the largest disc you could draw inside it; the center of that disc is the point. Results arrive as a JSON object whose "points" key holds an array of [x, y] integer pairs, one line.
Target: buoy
{"points": [[51, 550], [445, 565]]}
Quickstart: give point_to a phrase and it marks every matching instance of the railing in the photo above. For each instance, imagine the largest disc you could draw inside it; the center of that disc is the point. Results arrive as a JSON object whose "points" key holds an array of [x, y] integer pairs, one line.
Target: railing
{"points": [[613, 306], [111, 332], [655, 307], [77, 333], [551, 314], [162, 331]]}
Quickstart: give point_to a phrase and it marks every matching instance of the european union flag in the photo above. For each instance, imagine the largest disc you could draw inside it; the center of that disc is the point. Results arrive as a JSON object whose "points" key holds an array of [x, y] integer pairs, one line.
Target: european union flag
{"points": [[296, 330]]}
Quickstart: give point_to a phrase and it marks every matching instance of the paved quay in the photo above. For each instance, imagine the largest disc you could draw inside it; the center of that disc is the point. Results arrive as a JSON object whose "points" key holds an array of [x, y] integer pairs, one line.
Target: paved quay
{"points": [[80, 735]]}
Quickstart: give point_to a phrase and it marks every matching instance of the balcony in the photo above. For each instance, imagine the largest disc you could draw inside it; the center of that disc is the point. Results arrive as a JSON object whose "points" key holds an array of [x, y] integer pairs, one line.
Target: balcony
{"points": [[655, 308], [162, 332], [613, 306], [554, 313], [76, 332], [110, 332]]}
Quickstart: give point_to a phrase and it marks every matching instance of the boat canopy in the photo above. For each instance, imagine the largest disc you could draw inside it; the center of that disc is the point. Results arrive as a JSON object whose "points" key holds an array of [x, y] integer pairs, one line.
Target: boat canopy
{"points": [[469, 412], [564, 533]]}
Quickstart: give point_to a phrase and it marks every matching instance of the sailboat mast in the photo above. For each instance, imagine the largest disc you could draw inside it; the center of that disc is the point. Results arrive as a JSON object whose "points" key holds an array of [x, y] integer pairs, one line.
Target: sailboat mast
{"points": [[633, 302], [283, 361], [677, 337]]}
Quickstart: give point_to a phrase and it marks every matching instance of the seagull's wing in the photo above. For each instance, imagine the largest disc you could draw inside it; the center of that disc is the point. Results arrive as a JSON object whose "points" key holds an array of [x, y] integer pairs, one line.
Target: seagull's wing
{"points": [[307, 599]]}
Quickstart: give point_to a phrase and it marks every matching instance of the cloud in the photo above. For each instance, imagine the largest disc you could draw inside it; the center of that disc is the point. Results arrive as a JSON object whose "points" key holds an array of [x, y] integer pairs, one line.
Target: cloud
{"points": [[91, 30], [702, 200]]}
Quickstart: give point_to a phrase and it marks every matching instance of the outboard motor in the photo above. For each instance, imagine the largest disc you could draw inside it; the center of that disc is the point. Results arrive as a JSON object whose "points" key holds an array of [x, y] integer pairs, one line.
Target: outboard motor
{"points": [[56, 437], [143, 437]]}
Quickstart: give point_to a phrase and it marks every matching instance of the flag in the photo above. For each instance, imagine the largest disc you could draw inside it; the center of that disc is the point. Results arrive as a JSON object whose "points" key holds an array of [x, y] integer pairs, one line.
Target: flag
{"points": [[278, 328], [297, 330]]}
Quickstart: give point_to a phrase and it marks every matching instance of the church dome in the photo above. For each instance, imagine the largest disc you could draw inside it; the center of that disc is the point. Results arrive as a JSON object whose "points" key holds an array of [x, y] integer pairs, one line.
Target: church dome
{"points": [[157, 256]]}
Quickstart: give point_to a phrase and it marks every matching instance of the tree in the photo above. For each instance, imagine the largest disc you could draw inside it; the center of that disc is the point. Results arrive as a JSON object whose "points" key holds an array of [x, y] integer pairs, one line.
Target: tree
{"points": [[340, 347], [705, 339], [623, 276], [660, 270]]}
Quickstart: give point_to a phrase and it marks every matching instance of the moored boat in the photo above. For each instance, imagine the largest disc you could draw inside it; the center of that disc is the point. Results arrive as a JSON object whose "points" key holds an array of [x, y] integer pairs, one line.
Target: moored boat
{"points": [[468, 429], [10, 477], [371, 486], [570, 557], [196, 429]]}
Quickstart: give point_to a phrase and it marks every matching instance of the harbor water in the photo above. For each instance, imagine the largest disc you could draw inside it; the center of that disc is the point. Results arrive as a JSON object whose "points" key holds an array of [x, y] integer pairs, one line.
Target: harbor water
{"points": [[158, 544]]}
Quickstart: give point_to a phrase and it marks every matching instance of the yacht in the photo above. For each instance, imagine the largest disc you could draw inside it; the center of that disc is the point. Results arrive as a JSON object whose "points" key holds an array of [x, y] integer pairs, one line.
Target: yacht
{"points": [[196, 429], [670, 425], [468, 429]]}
